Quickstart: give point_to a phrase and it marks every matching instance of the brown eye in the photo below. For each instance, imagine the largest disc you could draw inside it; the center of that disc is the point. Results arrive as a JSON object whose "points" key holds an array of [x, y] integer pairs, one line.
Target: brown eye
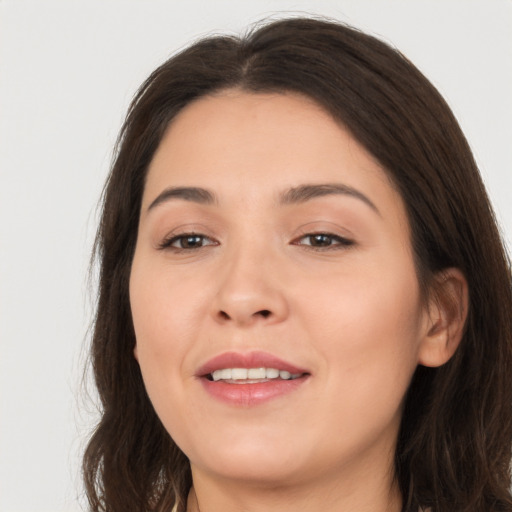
{"points": [[187, 241], [324, 241], [320, 240]]}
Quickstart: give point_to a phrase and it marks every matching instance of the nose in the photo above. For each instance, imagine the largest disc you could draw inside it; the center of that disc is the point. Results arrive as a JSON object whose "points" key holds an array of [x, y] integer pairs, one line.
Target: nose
{"points": [[249, 292]]}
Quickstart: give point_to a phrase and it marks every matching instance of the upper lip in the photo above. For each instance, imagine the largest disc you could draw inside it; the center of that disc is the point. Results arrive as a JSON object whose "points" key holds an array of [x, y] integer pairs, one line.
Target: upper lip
{"points": [[253, 359]]}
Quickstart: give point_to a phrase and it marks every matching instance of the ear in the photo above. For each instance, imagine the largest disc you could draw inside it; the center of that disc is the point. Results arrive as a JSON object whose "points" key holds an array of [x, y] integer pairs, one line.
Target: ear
{"points": [[135, 353], [446, 318]]}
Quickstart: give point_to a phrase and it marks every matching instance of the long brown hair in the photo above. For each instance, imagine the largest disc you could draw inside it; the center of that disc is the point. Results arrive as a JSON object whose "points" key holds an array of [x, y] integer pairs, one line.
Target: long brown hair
{"points": [[454, 445]]}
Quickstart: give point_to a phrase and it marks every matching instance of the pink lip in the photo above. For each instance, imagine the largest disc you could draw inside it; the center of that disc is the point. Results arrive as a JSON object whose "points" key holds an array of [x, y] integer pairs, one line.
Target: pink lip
{"points": [[247, 395]]}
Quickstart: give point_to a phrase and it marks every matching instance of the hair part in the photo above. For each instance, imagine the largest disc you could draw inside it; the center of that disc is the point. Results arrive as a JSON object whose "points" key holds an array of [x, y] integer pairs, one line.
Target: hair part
{"points": [[454, 445]]}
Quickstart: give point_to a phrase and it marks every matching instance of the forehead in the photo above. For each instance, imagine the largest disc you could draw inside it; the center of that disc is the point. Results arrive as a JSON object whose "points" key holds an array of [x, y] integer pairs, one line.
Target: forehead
{"points": [[245, 146]]}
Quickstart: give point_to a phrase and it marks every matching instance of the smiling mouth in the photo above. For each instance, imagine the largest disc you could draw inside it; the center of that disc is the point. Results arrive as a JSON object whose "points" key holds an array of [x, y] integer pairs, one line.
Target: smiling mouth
{"points": [[251, 375], [249, 379]]}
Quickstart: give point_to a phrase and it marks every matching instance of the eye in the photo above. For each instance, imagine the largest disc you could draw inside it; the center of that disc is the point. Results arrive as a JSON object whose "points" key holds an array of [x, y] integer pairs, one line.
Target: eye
{"points": [[323, 241], [187, 242]]}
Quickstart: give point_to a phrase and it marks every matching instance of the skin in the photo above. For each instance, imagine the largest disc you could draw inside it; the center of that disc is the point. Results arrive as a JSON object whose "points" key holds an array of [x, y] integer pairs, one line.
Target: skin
{"points": [[351, 312]]}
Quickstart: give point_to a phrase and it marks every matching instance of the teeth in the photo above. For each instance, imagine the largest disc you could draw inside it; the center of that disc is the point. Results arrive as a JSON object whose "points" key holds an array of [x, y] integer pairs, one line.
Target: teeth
{"points": [[225, 374], [256, 373], [238, 374], [272, 373], [252, 374]]}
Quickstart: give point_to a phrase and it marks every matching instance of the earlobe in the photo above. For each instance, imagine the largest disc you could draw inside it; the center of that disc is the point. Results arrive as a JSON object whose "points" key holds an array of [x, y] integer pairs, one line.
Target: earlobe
{"points": [[447, 313], [135, 353]]}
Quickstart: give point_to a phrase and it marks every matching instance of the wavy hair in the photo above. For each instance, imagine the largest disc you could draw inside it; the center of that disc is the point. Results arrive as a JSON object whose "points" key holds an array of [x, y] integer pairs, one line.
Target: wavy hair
{"points": [[454, 445]]}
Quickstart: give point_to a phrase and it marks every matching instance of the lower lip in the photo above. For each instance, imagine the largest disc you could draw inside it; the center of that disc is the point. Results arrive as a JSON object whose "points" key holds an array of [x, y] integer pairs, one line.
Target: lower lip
{"points": [[247, 395]]}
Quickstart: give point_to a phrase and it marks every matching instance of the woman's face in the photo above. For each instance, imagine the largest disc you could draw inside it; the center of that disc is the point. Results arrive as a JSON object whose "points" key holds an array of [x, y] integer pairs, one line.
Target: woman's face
{"points": [[270, 242]]}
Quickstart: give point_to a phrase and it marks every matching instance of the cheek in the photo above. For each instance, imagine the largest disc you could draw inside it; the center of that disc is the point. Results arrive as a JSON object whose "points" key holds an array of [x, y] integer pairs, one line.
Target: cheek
{"points": [[164, 317], [163, 327], [164, 312], [368, 327]]}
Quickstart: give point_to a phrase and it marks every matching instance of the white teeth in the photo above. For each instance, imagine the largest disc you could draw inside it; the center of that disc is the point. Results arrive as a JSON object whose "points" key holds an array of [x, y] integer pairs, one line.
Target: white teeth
{"points": [[272, 373], [252, 374], [238, 373], [225, 373], [256, 373], [221, 374]]}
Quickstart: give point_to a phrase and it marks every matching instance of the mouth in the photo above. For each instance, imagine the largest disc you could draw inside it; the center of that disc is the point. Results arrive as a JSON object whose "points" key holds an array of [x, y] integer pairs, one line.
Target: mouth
{"points": [[248, 379]]}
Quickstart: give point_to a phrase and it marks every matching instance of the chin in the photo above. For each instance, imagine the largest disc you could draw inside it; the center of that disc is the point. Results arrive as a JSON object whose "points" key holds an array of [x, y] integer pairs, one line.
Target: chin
{"points": [[253, 461], [265, 472]]}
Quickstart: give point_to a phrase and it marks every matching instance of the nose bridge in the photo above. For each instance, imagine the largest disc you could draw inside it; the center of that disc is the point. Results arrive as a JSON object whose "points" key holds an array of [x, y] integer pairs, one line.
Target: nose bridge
{"points": [[249, 289]]}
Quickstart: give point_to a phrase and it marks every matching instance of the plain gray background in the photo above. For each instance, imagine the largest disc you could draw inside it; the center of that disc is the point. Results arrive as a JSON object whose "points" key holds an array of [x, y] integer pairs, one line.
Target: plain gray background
{"points": [[67, 72]]}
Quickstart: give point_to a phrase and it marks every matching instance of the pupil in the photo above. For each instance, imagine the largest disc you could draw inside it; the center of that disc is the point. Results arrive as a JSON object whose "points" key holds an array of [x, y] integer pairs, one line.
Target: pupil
{"points": [[191, 241], [320, 240]]}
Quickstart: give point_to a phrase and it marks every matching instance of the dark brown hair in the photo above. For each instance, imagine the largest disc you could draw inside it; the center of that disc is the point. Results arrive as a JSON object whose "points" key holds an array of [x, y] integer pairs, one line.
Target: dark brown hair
{"points": [[454, 445]]}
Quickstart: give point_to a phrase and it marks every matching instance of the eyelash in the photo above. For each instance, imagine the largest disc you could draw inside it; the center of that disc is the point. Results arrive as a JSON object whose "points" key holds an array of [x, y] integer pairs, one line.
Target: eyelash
{"points": [[340, 242]]}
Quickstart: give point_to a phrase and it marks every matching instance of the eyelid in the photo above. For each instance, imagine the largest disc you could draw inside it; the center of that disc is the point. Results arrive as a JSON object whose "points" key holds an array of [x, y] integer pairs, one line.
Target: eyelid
{"points": [[326, 227]]}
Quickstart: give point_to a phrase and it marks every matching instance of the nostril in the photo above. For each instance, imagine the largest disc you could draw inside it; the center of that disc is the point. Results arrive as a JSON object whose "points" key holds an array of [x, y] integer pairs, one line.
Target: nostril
{"points": [[222, 315]]}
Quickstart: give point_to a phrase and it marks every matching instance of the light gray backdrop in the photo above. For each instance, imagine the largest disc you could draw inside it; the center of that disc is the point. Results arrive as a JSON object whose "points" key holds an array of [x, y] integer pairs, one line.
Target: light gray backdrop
{"points": [[67, 72]]}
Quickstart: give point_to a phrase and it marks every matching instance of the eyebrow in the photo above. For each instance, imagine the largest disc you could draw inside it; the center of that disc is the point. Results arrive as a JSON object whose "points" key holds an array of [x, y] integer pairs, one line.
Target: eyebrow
{"points": [[194, 194], [304, 193], [294, 195]]}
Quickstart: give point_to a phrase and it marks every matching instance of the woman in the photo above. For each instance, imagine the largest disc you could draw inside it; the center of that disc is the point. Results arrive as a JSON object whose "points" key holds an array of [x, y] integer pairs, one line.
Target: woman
{"points": [[304, 300]]}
